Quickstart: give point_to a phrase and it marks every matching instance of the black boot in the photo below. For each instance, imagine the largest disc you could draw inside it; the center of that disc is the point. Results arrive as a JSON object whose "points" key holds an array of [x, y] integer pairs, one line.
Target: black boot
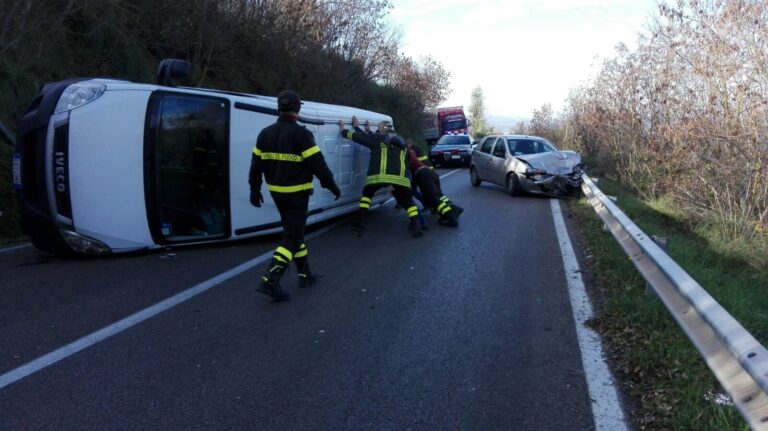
{"points": [[270, 282], [415, 227], [358, 224], [448, 219], [457, 209], [306, 276]]}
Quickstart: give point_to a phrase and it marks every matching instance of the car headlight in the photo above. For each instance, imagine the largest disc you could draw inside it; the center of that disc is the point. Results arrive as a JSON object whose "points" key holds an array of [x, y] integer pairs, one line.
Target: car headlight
{"points": [[534, 171], [77, 95], [83, 244]]}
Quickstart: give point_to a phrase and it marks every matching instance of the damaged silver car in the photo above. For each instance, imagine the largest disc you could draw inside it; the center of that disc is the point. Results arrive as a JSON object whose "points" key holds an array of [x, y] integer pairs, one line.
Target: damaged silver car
{"points": [[526, 164]]}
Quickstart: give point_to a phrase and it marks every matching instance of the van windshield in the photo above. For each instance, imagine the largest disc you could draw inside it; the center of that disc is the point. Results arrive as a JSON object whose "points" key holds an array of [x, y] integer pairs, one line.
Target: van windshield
{"points": [[190, 167]]}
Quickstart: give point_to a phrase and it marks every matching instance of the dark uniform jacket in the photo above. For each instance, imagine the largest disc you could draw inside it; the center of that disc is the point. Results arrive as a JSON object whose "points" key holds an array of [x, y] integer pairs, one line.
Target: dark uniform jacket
{"points": [[287, 155], [420, 156], [388, 157]]}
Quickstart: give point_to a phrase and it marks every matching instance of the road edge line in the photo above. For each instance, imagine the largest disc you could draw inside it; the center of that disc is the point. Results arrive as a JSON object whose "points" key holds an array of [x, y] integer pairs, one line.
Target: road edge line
{"points": [[607, 411]]}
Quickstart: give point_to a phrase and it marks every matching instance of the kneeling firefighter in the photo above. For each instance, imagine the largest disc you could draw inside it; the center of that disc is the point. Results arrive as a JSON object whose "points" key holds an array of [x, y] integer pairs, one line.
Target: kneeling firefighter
{"points": [[287, 156], [386, 168], [427, 180]]}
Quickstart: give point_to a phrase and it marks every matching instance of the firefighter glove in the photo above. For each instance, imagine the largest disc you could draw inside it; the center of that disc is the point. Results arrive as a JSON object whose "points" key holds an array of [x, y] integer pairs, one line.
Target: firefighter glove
{"points": [[256, 198], [333, 188]]}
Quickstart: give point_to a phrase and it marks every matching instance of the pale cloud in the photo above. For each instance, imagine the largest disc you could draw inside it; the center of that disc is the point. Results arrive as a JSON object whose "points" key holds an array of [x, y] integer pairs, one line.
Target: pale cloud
{"points": [[421, 8], [523, 53]]}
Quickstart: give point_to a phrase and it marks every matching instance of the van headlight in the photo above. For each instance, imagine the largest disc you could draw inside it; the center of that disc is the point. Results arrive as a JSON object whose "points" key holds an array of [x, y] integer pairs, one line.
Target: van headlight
{"points": [[77, 95], [84, 245]]}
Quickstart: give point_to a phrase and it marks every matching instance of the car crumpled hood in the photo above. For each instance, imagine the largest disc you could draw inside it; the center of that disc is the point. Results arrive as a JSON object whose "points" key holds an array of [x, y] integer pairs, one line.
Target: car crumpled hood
{"points": [[554, 162]]}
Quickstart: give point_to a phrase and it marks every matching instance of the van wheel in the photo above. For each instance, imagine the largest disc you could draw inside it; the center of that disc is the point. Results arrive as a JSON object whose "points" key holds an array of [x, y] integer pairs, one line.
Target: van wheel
{"points": [[473, 177], [513, 184]]}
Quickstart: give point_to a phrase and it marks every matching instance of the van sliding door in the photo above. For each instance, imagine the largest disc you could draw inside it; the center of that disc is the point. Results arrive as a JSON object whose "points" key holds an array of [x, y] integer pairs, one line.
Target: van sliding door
{"points": [[186, 167]]}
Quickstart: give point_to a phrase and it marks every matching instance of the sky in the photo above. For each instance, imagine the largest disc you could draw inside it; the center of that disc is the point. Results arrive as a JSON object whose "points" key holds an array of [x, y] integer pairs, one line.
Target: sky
{"points": [[523, 53]]}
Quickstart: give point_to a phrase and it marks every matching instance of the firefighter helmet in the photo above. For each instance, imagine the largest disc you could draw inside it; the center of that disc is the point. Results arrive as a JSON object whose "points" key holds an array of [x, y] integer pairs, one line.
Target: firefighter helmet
{"points": [[386, 127]]}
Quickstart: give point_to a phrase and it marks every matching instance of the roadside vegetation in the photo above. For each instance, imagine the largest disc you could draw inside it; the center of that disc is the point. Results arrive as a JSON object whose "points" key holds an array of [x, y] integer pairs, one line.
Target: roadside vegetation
{"points": [[684, 118], [342, 52], [668, 384], [680, 126]]}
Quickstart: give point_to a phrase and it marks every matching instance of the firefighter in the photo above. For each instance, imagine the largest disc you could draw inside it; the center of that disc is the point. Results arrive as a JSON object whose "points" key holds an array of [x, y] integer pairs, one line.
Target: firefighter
{"points": [[287, 156], [386, 168], [427, 180], [414, 191]]}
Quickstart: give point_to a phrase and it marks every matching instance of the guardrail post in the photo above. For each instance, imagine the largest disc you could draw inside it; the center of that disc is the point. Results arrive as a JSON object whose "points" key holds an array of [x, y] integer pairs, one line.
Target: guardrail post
{"points": [[663, 243]]}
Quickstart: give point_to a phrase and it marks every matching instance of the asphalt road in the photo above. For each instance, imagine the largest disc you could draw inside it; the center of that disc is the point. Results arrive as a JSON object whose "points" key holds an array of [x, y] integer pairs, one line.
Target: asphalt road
{"points": [[465, 329]]}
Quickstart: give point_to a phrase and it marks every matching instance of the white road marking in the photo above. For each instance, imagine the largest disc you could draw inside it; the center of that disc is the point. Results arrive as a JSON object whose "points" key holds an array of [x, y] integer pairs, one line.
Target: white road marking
{"points": [[134, 319], [102, 334], [606, 409], [450, 173]]}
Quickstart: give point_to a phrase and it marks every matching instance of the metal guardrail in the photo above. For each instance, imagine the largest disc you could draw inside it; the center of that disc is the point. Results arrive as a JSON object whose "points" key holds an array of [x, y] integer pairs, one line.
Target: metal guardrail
{"points": [[735, 357]]}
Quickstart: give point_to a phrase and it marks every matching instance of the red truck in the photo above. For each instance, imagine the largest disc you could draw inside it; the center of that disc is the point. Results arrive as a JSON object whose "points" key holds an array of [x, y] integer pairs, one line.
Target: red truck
{"points": [[452, 121], [447, 121]]}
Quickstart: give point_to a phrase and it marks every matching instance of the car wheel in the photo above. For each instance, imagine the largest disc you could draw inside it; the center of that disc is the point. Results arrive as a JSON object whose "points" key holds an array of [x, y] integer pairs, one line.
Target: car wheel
{"points": [[513, 184], [473, 177]]}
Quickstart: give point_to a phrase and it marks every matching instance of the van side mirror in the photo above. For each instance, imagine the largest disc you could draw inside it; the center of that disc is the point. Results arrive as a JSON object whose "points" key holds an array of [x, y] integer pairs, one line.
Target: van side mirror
{"points": [[172, 68]]}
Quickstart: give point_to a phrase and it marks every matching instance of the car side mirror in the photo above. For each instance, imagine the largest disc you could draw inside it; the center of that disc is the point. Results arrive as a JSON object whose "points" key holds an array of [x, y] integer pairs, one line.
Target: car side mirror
{"points": [[172, 68]]}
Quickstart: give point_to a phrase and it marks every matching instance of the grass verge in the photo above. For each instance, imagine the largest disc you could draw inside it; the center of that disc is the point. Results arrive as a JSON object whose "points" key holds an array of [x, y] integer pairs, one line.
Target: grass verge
{"points": [[662, 375]]}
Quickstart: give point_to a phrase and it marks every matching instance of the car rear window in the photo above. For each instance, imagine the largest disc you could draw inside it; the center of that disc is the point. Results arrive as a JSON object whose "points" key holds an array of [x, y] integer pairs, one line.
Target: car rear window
{"points": [[454, 140]]}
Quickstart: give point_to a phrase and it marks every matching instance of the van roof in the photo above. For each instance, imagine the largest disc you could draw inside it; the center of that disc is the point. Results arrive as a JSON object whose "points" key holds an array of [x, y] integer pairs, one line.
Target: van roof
{"points": [[320, 111]]}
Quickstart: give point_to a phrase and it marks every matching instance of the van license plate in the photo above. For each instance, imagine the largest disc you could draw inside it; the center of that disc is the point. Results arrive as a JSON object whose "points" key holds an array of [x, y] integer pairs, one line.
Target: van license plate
{"points": [[16, 171]]}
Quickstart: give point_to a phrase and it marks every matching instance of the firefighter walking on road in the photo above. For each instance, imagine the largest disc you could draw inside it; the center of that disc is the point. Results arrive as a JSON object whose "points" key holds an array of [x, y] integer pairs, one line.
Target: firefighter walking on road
{"points": [[387, 167], [287, 156]]}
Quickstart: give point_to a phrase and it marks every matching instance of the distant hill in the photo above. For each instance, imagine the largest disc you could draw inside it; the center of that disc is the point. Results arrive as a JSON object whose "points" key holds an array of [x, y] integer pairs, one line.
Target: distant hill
{"points": [[505, 124]]}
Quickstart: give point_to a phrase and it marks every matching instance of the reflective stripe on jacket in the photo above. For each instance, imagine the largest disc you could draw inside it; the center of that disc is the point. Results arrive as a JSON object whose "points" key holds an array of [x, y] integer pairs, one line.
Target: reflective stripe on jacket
{"points": [[388, 157], [287, 156]]}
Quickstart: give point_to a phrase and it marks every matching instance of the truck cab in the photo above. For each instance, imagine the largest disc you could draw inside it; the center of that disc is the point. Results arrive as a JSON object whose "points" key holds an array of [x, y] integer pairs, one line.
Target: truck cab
{"points": [[452, 121]]}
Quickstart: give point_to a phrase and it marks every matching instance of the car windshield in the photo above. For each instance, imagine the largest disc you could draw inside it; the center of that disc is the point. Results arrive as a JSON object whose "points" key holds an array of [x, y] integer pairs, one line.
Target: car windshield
{"points": [[529, 146], [454, 140]]}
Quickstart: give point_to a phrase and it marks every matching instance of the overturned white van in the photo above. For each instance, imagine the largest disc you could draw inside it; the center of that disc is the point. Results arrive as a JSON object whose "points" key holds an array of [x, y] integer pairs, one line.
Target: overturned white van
{"points": [[108, 166]]}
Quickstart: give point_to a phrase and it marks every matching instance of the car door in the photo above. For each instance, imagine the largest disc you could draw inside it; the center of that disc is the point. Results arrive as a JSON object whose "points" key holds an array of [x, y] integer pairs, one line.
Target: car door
{"points": [[498, 165], [483, 157]]}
